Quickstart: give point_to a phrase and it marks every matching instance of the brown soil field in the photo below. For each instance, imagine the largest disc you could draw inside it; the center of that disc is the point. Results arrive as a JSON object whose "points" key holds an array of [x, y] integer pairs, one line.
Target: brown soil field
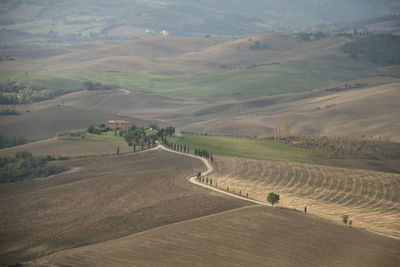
{"points": [[324, 113], [101, 199], [250, 236], [181, 55], [370, 198], [392, 166], [69, 148], [46, 123]]}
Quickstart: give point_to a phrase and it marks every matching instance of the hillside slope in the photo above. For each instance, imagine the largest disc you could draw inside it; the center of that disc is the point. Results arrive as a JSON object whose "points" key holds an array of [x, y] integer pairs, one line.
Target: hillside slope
{"points": [[101, 199], [59, 21], [251, 236], [369, 110], [370, 198], [46, 123]]}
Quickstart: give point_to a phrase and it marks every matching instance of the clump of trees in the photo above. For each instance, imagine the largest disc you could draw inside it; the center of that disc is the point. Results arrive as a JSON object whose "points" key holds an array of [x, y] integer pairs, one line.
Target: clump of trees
{"points": [[22, 92], [92, 86], [10, 142], [25, 166], [259, 45], [382, 49], [98, 130], [140, 136], [147, 136], [273, 198]]}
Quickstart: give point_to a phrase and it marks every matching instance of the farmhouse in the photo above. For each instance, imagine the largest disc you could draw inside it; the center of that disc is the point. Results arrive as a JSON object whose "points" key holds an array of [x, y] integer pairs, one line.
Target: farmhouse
{"points": [[119, 125]]}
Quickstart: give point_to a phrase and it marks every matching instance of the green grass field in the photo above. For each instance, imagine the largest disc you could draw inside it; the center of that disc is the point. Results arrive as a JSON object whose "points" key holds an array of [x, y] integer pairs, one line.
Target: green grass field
{"points": [[276, 79], [246, 148], [110, 137]]}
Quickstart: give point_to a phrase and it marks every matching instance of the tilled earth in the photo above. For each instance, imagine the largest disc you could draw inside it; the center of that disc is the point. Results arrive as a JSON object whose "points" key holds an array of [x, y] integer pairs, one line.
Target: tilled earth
{"points": [[101, 199]]}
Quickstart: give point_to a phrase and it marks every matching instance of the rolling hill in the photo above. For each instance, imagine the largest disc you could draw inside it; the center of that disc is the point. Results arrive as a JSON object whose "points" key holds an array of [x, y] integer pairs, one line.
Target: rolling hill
{"points": [[101, 199], [370, 198], [251, 236], [334, 111], [259, 65], [46, 123], [56, 21]]}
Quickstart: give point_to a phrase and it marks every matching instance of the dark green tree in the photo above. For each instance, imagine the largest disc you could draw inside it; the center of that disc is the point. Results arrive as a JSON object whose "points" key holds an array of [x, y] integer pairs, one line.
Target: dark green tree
{"points": [[273, 198]]}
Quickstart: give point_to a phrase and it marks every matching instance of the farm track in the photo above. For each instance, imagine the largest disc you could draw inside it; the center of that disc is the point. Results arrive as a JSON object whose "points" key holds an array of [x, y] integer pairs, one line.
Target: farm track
{"points": [[370, 198]]}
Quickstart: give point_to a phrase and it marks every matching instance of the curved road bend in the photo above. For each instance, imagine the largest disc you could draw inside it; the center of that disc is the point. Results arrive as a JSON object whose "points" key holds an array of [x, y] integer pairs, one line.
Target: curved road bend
{"points": [[210, 170]]}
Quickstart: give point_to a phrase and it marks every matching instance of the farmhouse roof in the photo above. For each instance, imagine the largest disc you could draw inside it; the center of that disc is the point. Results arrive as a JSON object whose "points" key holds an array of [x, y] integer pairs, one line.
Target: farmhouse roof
{"points": [[119, 122]]}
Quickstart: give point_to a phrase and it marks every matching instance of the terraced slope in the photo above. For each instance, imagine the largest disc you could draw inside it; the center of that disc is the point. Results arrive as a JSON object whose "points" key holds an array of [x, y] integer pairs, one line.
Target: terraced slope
{"points": [[372, 199]]}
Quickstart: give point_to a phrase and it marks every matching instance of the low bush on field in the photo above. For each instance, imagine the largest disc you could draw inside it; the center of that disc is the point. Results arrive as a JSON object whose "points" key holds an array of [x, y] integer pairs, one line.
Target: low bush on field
{"points": [[71, 135]]}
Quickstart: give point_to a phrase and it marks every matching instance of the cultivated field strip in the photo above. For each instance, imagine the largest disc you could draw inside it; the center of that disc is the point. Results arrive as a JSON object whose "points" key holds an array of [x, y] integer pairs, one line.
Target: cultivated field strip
{"points": [[371, 199]]}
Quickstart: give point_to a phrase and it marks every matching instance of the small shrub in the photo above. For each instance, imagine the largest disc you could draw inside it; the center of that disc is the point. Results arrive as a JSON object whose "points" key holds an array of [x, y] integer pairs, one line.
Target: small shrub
{"points": [[345, 219]]}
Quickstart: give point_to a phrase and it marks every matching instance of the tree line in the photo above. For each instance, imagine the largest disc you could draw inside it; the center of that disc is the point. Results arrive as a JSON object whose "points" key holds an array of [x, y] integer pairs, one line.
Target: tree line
{"points": [[176, 146], [344, 147], [21, 92], [23, 165], [10, 142], [204, 153], [93, 86]]}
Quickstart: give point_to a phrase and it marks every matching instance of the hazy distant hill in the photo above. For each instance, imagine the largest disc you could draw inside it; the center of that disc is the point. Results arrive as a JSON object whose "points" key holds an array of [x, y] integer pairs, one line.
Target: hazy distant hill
{"points": [[79, 20]]}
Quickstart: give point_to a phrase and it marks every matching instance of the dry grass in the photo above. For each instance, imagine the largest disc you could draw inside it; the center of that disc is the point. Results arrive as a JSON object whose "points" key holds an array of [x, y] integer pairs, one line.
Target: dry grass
{"points": [[103, 199], [251, 236], [371, 198]]}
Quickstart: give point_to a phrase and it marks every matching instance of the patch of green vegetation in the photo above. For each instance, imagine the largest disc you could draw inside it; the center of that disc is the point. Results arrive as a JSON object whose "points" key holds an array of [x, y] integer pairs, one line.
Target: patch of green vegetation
{"points": [[111, 138], [25, 166], [246, 148], [291, 77]]}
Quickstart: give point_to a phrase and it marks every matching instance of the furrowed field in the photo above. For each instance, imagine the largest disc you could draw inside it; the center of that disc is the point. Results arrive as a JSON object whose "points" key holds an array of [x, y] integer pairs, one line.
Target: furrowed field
{"points": [[370, 198]]}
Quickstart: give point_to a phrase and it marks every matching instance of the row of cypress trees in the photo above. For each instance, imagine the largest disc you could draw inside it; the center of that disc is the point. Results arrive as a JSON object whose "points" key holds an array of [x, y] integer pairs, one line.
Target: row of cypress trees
{"points": [[176, 147], [185, 149], [204, 153]]}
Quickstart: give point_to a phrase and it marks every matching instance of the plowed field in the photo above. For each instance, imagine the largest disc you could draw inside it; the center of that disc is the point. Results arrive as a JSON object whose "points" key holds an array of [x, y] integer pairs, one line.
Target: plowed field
{"points": [[101, 199], [249, 236], [371, 199]]}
